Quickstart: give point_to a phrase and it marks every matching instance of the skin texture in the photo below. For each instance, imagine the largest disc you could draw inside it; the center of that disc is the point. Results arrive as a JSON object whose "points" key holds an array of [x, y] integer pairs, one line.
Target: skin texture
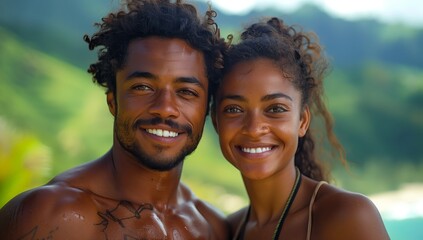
{"points": [[133, 191], [258, 107]]}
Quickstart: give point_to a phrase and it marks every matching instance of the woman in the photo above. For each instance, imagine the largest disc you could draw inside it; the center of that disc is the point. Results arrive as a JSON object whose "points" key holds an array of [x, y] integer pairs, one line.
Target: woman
{"points": [[271, 91]]}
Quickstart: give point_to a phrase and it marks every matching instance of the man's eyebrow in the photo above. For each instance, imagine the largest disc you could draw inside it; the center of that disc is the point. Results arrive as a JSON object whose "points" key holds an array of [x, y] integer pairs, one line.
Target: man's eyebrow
{"points": [[274, 96], [138, 74], [151, 76], [192, 80]]}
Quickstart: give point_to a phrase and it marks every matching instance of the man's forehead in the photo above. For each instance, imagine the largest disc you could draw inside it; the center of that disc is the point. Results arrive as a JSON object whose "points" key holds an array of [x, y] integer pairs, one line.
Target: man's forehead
{"points": [[160, 46], [161, 57]]}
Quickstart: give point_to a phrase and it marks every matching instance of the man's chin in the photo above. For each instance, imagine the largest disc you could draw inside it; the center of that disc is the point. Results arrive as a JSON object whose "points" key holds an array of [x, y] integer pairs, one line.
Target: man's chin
{"points": [[160, 165], [160, 161], [159, 158]]}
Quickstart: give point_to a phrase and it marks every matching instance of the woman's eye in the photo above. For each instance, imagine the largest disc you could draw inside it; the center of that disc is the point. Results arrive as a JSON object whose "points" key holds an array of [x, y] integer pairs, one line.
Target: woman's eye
{"points": [[232, 109], [277, 109]]}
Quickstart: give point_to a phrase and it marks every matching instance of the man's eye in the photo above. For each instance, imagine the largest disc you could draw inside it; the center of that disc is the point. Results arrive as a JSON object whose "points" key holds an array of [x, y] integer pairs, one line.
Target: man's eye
{"points": [[141, 87], [232, 109], [188, 92], [276, 109]]}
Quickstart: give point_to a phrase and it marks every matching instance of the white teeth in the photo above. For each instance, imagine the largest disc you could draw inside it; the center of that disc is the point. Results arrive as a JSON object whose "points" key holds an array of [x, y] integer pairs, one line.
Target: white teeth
{"points": [[256, 150], [162, 133]]}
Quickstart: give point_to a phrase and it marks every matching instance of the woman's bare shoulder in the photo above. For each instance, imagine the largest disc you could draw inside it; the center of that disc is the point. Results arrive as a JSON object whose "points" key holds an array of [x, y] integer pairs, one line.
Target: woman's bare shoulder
{"points": [[337, 213]]}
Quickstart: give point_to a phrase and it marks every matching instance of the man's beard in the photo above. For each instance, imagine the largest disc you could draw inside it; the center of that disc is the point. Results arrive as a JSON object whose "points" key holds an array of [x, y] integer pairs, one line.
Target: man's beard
{"points": [[126, 137]]}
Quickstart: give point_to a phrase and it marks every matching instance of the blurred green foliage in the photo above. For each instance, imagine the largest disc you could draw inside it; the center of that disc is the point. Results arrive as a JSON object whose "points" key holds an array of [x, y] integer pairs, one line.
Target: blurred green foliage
{"points": [[24, 162]]}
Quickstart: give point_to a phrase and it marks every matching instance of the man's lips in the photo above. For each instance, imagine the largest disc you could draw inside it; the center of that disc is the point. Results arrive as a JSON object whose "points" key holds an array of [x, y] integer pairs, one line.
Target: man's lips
{"points": [[162, 132], [162, 127]]}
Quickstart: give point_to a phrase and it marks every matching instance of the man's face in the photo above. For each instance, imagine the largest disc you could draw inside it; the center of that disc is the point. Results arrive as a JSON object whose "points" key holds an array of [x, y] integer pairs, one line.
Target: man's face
{"points": [[161, 100]]}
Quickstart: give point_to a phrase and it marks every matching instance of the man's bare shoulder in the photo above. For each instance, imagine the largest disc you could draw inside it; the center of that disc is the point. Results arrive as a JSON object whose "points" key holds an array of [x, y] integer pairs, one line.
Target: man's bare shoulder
{"points": [[214, 217], [236, 219], [43, 212], [59, 207], [82, 176], [341, 213]]}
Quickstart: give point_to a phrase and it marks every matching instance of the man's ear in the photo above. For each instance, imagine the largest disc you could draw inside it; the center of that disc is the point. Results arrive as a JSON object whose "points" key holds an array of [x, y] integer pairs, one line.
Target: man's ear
{"points": [[305, 120], [111, 102]]}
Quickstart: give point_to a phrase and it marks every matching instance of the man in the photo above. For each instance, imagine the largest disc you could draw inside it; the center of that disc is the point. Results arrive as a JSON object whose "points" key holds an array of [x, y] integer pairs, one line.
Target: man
{"points": [[157, 61]]}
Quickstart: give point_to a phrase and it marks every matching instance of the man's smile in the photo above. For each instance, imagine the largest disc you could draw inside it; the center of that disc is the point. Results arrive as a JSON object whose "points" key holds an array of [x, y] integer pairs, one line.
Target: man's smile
{"points": [[162, 132]]}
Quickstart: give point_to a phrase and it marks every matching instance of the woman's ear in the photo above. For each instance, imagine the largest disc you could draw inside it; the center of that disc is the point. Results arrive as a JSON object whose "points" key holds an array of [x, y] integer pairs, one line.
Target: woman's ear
{"points": [[111, 102], [305, 120]]}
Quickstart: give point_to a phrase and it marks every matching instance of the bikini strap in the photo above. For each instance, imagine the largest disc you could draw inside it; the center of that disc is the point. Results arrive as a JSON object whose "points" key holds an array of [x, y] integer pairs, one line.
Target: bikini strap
{"points": [[310, 208]]}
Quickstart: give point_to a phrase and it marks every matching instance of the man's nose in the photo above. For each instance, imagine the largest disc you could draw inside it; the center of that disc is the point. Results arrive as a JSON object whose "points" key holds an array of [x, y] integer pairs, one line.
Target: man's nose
{"points": [[165, 105]]}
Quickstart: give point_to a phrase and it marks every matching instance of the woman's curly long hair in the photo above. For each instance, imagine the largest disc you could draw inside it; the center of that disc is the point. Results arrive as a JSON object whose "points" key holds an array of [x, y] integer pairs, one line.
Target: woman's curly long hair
{"points": [[161, 18], [300, 57]]}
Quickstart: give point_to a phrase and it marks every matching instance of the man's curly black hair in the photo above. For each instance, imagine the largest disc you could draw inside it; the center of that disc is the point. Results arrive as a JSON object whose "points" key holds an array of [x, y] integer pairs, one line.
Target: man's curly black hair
{"points": [[161, 18]]}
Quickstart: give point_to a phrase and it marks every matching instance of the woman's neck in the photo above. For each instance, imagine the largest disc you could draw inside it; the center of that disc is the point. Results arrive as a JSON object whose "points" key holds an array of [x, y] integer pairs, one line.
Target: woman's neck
{"points": [[269, 196]]}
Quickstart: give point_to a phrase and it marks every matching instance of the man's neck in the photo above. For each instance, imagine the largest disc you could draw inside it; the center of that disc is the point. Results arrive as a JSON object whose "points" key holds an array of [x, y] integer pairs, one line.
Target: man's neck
{"points": [[136, 183]]}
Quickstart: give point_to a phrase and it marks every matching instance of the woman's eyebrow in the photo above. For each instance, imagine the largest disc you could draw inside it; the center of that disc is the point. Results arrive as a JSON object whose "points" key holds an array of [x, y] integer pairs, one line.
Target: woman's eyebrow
{"points": [[234, 97], [274, 96]]}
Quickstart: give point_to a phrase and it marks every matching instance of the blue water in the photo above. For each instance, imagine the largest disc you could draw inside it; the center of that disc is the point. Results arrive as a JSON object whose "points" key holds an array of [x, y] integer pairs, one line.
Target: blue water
{"points": [[407, 229]]}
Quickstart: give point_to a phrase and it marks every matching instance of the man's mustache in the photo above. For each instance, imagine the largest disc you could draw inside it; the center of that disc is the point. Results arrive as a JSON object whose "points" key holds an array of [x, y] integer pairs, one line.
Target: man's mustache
{"points": [[168, 122]]}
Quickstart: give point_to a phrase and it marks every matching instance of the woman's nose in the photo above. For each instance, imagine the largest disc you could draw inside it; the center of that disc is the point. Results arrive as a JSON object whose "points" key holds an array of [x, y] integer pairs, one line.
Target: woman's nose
{"points": [[254, 125]]}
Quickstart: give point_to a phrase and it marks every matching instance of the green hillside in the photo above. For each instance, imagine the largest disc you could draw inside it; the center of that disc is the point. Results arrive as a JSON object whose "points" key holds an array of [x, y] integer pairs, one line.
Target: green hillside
{"points": [[57, 27], [53, 102], [379, 119], [48, 97], [378, 111]]}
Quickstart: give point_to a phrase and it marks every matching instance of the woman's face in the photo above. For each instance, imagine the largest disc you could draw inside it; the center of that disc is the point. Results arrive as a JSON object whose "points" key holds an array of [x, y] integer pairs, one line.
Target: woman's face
{"points": [[259, 118]]}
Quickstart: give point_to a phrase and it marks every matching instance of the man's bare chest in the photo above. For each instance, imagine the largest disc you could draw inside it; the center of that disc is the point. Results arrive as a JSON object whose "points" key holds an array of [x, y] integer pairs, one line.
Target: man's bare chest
{"points": [[126, 220]]}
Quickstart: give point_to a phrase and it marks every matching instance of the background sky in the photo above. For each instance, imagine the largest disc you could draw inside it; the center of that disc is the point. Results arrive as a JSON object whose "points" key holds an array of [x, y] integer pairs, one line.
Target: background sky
{"points": [[403, 11]]}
